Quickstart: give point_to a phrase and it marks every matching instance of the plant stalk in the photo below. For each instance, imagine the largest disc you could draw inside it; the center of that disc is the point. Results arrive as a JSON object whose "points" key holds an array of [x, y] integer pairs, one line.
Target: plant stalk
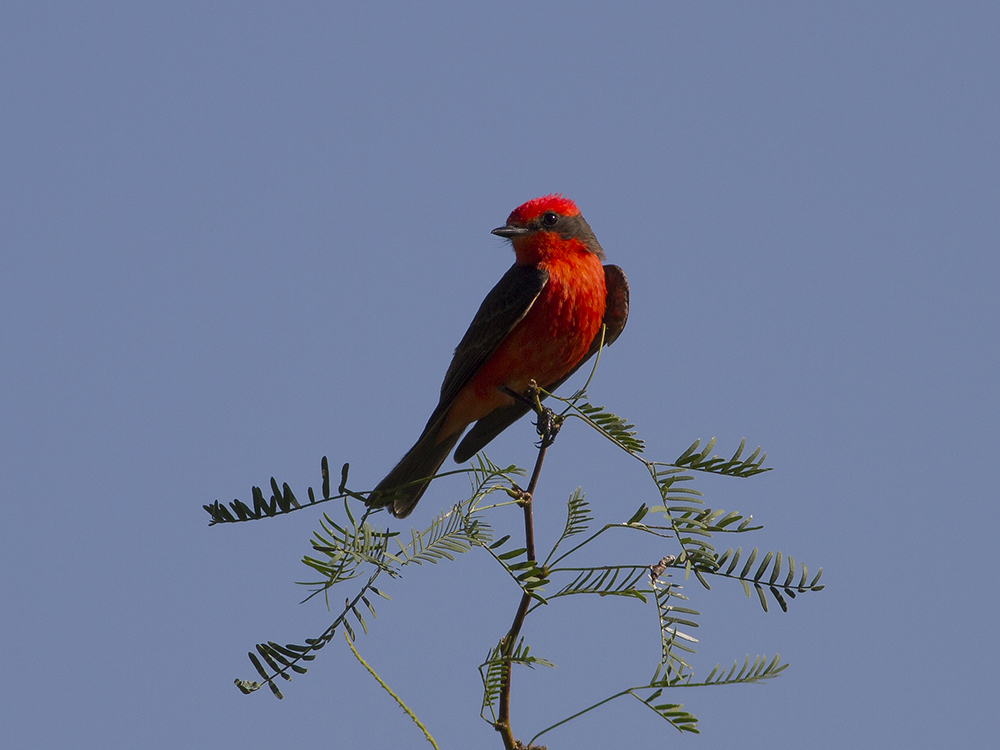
{"points": [[503, 721]]}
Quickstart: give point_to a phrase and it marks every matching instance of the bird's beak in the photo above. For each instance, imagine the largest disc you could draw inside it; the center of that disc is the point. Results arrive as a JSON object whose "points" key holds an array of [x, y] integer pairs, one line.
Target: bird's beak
{"points": [[510, 232]]}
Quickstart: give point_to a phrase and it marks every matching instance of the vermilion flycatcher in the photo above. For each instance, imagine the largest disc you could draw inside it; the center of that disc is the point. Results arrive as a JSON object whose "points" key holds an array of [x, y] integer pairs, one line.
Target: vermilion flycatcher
{"points": [[540, 322]]}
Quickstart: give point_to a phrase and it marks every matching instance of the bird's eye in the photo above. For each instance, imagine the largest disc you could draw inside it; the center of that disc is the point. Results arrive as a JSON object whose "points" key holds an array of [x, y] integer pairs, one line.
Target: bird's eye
{"points": [[549, 218]]}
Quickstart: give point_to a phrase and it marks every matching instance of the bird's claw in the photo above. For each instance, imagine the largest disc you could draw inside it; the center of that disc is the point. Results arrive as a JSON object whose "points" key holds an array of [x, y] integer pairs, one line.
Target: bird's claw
{"points": [[548, 425]]}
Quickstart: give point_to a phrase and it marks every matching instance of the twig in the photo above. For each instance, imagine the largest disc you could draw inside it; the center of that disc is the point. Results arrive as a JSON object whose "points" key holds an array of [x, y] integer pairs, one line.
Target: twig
{"points": [[388, 689]]}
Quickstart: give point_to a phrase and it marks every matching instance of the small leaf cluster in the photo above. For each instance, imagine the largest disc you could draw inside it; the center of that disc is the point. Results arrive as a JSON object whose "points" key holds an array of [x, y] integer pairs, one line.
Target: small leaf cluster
{"points": [[282, 500], [734, 467], [494, 671], [282, 659], [615, 428], [772, 562]]}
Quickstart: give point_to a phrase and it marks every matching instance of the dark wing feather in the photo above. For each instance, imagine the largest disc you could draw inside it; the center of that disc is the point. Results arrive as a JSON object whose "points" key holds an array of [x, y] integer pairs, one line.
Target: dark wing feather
{"points": [[506, 304], [504, 307], [498, 420], [487, 428]]}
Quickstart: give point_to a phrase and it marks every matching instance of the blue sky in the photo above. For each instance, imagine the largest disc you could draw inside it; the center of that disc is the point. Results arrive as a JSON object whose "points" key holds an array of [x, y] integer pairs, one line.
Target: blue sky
{"points": [[237, 237]]}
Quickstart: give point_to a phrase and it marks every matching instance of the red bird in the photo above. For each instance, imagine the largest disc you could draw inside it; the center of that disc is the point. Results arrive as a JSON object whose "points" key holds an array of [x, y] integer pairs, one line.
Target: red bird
{"points": [[540, 322]]}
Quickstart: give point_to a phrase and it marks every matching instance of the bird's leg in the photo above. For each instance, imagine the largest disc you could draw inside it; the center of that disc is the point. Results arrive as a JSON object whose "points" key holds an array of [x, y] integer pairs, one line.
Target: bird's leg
{"points": [[528, 399]]}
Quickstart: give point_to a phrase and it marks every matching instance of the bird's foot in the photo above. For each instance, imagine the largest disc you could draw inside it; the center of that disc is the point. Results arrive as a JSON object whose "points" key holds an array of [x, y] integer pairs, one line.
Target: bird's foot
{"points": [[548, 425]]}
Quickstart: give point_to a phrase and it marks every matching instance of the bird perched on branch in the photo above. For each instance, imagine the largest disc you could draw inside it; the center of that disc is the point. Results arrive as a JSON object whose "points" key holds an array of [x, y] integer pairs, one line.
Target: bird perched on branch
{"points": [[541, 322]]}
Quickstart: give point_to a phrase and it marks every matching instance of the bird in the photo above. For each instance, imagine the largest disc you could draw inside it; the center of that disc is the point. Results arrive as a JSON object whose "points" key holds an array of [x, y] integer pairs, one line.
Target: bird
{"points": [[540, 323]]}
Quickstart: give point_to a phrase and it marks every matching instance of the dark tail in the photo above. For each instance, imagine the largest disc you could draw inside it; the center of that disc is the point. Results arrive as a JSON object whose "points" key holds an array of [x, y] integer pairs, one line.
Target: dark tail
{"points": [[421, 462]]}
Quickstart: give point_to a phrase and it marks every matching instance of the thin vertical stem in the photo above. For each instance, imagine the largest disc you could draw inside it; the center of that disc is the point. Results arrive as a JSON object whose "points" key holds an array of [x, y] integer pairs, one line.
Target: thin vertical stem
{"points": [[503, 722]]}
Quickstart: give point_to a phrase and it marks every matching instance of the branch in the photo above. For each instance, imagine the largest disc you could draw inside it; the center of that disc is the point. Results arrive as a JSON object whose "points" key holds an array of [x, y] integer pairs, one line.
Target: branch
{"points": [[547, 427]]}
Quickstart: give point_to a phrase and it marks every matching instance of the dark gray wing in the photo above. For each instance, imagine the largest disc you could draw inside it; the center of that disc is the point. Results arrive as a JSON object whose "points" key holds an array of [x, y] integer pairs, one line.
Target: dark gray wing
{"points": [[498, 420], [504, 307]]}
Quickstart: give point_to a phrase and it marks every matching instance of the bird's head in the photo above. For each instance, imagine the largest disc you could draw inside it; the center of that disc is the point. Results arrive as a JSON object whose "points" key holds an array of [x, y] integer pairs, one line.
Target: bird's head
{"points": [[547, 225]]}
